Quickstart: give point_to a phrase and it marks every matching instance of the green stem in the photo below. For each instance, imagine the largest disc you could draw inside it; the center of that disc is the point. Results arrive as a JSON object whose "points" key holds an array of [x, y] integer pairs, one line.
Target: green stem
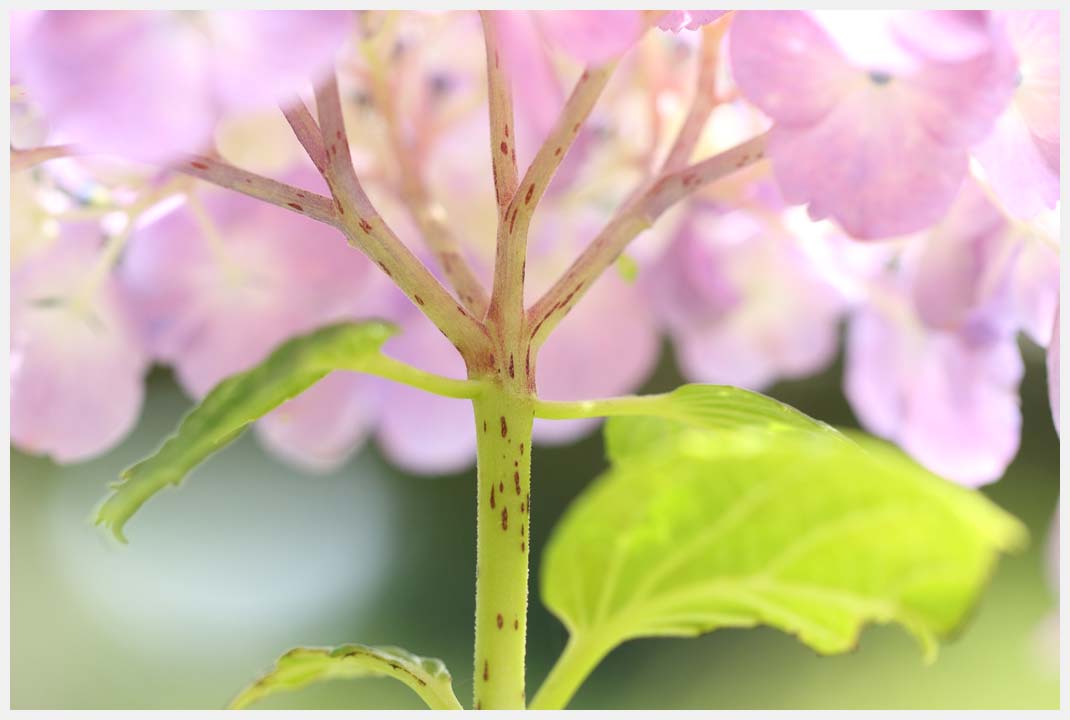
{"points": [[571, 669], [503, 426], [391, 369]]}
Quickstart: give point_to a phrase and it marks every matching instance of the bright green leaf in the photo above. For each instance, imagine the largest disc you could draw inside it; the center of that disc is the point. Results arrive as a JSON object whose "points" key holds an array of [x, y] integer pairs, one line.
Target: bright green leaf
{"points": [[428, 677], [236, 402], [714, 407], [813, 533]]}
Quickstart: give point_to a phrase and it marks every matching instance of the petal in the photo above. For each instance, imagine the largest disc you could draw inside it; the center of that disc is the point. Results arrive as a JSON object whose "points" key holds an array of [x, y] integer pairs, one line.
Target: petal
{"points": [[592, 36], [319, 429], [1035, 37], [943, 35], [217, 307], [108, 80], [867, 39], [890, 145], [1036, 289], [260, 56], [774, 317], [1016, 166], [784, 63], [76, 374], [948, 401], [958, 103], [961, 260], [882, 173], [965, 418]]}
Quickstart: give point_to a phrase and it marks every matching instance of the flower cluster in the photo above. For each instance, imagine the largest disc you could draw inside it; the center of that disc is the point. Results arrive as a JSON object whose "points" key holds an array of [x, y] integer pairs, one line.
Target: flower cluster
{"points": [[910, 194]]}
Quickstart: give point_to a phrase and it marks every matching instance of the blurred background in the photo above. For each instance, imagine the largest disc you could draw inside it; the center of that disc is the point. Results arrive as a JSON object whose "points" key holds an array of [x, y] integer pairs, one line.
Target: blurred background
{"points": [[249, 558]]}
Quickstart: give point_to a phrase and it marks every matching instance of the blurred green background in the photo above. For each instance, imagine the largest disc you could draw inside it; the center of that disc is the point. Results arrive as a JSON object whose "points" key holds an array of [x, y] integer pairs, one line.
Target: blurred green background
{"points": [[250, 558]]}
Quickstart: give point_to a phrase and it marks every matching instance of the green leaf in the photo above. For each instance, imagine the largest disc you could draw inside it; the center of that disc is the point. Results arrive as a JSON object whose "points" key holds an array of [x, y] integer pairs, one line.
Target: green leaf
{"points": [[236, 402], [812, 532], [428, 677], [714, 407]]}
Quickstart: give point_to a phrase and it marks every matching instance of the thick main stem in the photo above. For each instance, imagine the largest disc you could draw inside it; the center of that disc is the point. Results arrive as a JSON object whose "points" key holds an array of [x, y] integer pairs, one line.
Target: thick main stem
{"points": [[504, 419]]}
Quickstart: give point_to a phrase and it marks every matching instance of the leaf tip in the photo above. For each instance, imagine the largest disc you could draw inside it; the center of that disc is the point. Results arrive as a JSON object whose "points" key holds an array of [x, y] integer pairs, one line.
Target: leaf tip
{"points": [[108, 520]]}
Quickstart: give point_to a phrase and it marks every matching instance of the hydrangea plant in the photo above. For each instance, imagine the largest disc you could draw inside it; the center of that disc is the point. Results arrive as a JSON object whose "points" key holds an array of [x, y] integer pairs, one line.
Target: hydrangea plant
{"points": [[468, 243]]}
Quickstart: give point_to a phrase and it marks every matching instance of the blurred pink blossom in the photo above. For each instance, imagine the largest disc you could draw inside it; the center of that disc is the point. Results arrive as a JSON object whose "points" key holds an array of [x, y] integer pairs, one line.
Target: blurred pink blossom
{"points": [[1021, 154], [77, 365], [743, 303], [932, 355], [872, 124], [873, 119], [149, 84]]}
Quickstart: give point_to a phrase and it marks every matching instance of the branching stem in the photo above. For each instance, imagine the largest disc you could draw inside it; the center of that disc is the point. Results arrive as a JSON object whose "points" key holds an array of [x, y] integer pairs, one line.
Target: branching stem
{"points": [[507, 297], [366, 230], [630, 220], [288, 197]]}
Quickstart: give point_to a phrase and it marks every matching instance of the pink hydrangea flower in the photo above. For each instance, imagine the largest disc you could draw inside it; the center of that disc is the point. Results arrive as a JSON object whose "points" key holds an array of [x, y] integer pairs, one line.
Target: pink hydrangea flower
{"points": [[1021, 154], [949, 398], [872, 122], [149, 84], [975, 266], [77, 363], [933, 361], [742, 302]]}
